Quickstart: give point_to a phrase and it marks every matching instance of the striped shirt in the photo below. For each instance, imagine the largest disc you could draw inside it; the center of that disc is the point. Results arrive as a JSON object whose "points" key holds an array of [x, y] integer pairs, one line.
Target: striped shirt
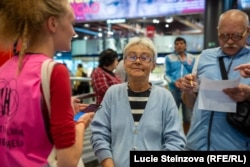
{"points": [[138, 101]]}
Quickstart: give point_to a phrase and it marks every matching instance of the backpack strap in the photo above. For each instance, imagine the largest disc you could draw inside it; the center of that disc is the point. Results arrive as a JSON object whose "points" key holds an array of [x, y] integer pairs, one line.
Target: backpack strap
{"points": [[46, 70]]}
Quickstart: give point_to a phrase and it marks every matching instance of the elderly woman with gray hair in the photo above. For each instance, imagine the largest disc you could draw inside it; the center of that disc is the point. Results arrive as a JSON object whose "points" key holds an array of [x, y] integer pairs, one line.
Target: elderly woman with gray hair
{"points": [[136, 115]]}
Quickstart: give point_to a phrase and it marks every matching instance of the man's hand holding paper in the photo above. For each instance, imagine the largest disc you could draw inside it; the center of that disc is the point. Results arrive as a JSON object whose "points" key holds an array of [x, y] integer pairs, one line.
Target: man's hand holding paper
{"points": [[212, 96]]}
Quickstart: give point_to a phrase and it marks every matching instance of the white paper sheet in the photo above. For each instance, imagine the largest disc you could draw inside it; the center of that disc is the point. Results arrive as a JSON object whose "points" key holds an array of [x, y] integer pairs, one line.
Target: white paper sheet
{"points": [[211, 97]]}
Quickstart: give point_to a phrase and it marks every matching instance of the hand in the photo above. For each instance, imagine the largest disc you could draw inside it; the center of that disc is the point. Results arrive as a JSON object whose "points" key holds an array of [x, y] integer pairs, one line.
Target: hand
{"points": [[188, 83], [76, 105], [244, 70], [178, 83], [87, 118], [238, 94]]}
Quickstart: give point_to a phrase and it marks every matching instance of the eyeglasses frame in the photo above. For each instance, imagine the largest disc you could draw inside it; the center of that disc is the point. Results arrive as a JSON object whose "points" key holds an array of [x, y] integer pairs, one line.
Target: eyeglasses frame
{"points": [[138, 57], [230, 36]]}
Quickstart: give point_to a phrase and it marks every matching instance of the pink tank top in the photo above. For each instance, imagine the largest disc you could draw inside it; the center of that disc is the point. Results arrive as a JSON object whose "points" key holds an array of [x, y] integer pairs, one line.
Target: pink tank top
{"points": [[23, 138]]}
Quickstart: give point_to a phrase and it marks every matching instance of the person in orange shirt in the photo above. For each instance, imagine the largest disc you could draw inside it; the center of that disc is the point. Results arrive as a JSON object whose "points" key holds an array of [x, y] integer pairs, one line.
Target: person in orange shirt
{"points": [[7, 53], [4, 56]]}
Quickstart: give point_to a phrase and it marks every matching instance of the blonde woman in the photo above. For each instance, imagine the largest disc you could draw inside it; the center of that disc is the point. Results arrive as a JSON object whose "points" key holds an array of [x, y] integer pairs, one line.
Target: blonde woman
{"points": [[27, 134]]}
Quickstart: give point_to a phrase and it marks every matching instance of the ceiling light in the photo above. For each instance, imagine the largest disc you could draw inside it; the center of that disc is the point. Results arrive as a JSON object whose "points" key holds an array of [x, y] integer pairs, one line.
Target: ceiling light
{"points": [[156, 21], [86, 25], [110, 33], [99, 35], [58, 54], [169, 19]]}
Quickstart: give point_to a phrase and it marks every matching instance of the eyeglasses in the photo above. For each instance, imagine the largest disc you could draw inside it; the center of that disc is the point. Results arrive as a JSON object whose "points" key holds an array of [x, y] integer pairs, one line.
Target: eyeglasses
{"points": [[143, 58], [235, 37]]}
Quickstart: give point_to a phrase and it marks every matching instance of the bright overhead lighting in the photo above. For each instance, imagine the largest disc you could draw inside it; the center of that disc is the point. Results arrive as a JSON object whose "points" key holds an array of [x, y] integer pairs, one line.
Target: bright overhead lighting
{"points": [[86, 25], [99, 35], [110, 33], [169, 19], [156, 21], [58, 54]]}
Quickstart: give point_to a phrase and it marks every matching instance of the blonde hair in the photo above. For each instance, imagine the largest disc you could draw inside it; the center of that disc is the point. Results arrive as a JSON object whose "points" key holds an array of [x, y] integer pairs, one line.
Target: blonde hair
{"points": [[22, 20], [144, 41]]}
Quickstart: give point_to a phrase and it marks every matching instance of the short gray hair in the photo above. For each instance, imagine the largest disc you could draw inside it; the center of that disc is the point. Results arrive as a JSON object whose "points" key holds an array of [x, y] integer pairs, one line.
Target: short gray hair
{"points": [[234, 14], [144, 41]]}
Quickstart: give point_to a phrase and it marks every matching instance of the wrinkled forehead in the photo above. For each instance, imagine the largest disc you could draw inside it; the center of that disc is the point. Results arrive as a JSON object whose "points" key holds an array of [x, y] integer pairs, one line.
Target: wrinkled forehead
{"points": [[232, 23], [231, 29], [232, 26]]}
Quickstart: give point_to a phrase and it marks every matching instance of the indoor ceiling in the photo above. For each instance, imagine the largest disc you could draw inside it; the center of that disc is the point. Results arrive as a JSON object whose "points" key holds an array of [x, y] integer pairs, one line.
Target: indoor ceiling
{"points": [[182, 24]]}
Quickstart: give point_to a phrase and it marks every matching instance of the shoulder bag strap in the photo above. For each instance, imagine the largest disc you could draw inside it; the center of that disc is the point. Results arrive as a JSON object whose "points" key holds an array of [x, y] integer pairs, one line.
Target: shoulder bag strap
{"points": [[47, 68], [223, 69]]}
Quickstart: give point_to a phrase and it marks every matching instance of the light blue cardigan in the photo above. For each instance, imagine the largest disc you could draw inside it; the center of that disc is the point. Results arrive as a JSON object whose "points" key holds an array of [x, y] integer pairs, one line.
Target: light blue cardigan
{"points": [[114, 131]]}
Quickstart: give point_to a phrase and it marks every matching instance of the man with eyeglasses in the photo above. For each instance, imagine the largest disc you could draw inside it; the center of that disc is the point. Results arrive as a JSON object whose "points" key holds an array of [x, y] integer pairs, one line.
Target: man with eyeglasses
{"points": [[177, 65], [210, 130]]}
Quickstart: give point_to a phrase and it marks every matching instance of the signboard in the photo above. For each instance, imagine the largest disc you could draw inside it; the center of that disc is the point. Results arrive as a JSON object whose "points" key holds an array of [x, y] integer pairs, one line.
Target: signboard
{"points": [[150, 31], [93, 10]]}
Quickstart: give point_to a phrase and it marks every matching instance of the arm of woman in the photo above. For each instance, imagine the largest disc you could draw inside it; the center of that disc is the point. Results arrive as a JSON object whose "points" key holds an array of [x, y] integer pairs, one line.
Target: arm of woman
{"points": [[70, 156], [101, 134], [69, 145], [108, 163], [172, 131]]}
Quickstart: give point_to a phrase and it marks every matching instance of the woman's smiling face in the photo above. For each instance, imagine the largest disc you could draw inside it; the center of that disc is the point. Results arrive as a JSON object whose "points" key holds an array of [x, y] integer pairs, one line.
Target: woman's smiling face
{"points": [[139, 61]]}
